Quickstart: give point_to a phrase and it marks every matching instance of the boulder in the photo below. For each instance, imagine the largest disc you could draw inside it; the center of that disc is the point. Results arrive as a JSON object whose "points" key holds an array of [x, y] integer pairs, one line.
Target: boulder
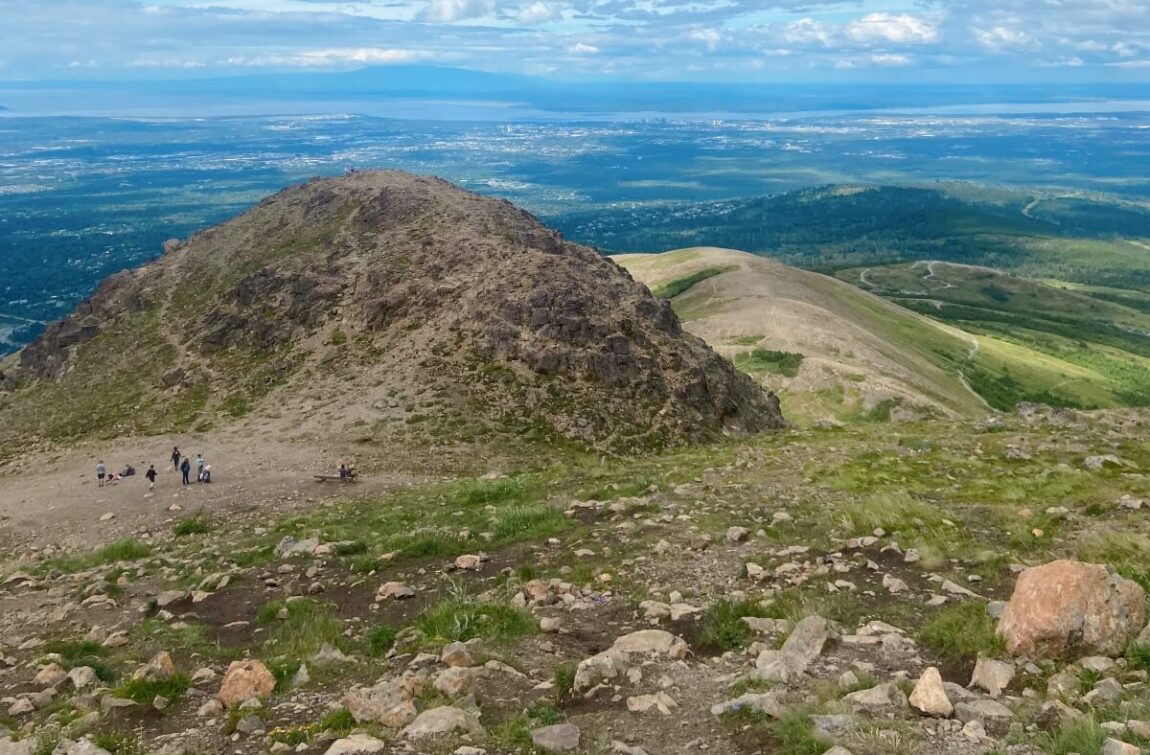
{"points": [[442, 720], [802, 647], [245, 680], [762, 702], [652, 642], [388, 703], [557, 738], [877, 698], [1118, 747], [356, 744], [1069, 609], [160, 668], [986, 711], [992, 676], [929, 696]]}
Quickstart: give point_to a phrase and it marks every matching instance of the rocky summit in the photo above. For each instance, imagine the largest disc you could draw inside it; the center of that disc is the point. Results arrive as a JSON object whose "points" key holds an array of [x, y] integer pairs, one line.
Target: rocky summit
{"points": [[364, 287]]}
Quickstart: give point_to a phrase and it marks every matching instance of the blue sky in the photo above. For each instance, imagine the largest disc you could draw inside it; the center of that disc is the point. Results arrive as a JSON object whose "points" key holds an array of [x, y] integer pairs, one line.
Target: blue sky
{"points": [[740, 40]]}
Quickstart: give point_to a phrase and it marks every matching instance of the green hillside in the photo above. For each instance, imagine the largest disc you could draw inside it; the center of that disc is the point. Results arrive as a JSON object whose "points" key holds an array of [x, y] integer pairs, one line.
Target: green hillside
{"points": [[1090, 239], [1080, 350]]}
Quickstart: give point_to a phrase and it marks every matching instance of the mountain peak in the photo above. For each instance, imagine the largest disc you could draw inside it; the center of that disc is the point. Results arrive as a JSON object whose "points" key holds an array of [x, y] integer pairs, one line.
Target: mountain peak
{"points": [[429, 311]]}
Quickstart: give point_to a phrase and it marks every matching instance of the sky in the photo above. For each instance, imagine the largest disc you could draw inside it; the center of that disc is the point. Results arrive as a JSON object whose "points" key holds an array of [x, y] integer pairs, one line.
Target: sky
{"points": [[951, 41]]}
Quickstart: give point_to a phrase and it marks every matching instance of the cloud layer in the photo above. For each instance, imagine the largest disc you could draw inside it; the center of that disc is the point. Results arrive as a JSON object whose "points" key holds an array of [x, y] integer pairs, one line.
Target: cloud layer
{"points": [[762, 40]]}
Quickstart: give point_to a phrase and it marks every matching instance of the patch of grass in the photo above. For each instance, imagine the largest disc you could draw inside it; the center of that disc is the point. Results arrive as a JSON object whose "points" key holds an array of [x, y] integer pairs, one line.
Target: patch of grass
{"points": [[379, 640], [794, 734], [123, 550], [722, 628], [74, 654], [961, 631], [340, 721], [118, 743], [1084, 737], [786, 363], [459, 620], [564, 679], [143, 691], [284, 671], [529, 522], [1127, 552], [672, 288], [514, 734], [350, 548], [196, 525], [485, 492], [1138, 656], [309, 624]]}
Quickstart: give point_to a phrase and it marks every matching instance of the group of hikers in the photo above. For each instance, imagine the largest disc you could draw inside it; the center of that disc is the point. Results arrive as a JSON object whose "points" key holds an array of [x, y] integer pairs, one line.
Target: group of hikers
{"points": [[180, 463], [183, 464]]}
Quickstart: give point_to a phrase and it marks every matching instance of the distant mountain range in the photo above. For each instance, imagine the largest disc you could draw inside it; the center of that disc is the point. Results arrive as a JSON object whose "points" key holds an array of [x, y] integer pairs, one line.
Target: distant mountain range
{"points": [[421, 81]]}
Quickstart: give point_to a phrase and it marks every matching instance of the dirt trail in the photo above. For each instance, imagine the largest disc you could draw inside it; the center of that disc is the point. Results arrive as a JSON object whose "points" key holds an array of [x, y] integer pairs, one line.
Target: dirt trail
{"points": [[54, 499]]}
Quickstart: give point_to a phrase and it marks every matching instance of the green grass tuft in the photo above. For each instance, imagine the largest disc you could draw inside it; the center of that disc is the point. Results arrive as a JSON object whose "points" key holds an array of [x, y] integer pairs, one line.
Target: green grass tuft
{"points": [[143, 691], [459, 620], [961, 631], [722, 628], [196, 525]]}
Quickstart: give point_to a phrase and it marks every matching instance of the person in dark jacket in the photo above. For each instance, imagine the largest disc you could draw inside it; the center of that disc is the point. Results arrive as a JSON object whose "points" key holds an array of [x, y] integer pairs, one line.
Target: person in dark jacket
{"points": [[186, 469], [151, 475], [176, 458]]}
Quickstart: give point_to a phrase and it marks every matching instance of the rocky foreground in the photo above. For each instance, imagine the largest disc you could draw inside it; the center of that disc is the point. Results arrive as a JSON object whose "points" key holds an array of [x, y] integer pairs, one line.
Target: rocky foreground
{"points": [[935, 589]]}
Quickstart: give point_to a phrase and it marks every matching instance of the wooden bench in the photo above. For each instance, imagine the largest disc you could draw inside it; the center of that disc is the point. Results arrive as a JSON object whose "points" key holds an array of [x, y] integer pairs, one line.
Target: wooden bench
{"points": [[334, 478]]}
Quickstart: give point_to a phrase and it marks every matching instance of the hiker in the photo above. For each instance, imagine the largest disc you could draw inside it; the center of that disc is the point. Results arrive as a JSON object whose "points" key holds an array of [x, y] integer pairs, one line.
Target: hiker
{"points": [[199, 467], [151, 475], [101, 473], [344, 472], [129, 470], [186, 469], [176, 458], [206, 475]]}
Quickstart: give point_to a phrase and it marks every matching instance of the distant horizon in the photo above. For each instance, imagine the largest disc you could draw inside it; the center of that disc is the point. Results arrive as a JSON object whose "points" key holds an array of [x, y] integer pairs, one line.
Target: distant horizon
{"points": [[418, 92]]}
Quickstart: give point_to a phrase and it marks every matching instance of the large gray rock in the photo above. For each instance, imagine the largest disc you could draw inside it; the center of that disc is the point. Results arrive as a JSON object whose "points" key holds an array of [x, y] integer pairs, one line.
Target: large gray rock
{"points": [[802, 647], [992, 676], [614, 661], [557, 738], [356, 744], [877, 698], [388, 703], [23, 747], [442, 721], [982, 710]]}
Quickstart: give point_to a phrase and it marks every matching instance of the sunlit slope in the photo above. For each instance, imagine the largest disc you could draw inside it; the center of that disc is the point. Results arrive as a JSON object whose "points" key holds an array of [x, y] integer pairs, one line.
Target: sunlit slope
{"points": [[1096, 338], [859, 352]]}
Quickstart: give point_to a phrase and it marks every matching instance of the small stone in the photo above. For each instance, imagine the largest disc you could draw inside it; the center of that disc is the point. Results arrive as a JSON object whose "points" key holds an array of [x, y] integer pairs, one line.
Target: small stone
{"points": [[737, 534]]}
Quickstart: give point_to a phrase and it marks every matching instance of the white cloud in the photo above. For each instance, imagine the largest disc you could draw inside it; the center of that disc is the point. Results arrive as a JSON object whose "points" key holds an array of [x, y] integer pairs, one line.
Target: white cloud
{"points": [[447, 11], [710, 37], [1002, 38], [538, 13], [806, 31], [886, 27], [332, 57], [583, 49], [890, 60]]}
